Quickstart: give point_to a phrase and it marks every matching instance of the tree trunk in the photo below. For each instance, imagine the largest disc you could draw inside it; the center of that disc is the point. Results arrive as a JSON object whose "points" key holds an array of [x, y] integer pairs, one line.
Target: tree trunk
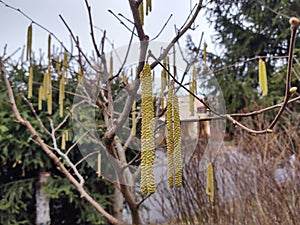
{"points": [[42, 201], [118, 204]]}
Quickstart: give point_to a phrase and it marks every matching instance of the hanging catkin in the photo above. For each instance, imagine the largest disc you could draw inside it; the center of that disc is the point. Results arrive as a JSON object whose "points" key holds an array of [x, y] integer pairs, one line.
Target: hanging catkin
{"points": [[195, 79], [147, 7], [57, 65], [163, 87], [177, 142], [141, 12], [99, 165], [150, 5], [80, 76], [133, 114], [44, 95], [30, 81], [210, 182], [29, 43], [192, 109], [67, 135], [204, 55], [124, 78], [193, 90], [147, 137], [49, 50], [170, 136], [61, 95], [49, 104], [63, 141], [262, 74], [111, 66], [40, 98], [65, 67]]}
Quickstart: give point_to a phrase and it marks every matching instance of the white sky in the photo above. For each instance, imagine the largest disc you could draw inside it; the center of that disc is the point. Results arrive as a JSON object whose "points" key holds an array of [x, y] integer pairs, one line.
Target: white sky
{"points": [[14, 25]]}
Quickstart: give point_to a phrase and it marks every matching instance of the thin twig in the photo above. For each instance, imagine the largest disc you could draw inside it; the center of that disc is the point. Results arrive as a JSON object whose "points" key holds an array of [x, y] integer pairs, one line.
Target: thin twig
{"points": [[179, 35], [161, 30], [248, 60], [77, 44], [35, 114], [92, 28], [126, 56], [66, 158], [121, 22], [288, 75]]}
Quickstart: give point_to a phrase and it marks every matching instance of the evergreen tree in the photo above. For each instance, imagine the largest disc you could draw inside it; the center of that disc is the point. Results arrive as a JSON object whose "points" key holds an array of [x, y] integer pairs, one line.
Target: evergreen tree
{"points": [[22, 160], [246, 30]]}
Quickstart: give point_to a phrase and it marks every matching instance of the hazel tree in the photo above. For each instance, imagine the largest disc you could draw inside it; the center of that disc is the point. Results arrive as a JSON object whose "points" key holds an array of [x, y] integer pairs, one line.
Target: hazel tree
{"points": [[118, 113]]}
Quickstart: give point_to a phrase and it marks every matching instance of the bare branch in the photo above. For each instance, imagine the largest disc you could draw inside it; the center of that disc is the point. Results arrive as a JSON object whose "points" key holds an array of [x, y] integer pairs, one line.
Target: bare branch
{"points": [[161, 30], [288, 75], [121, 22], [35, 114], [179, 35], [66, 158], [92, 28], [76, 43]]}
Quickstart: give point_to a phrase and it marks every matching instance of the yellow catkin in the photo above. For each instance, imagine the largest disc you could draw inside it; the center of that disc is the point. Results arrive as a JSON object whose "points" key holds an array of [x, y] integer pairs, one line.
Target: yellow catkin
{"points": [[65, 66], [57, 64], [205, 54], [99, 165], [168, 66], [141, 12], [61, 110], [111, 66], [67, 135], [49, 48], [30, 81], [63, 141], [192, 109], [210, 182], [163, 87], [29, 42], [147, 7], [194, 79], [49, 90], [165, 63], [49, 104], [80, 76], [124, 77], [133, 129], [170, 136], [40, 103], [150, 5], [61, 95], [46, 82], [177, 142], [147, 136], [262, 75]]}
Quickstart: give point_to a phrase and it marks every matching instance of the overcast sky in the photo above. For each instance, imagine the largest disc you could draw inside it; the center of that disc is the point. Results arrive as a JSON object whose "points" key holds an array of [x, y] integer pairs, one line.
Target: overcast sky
{"points": [[46, 12]]}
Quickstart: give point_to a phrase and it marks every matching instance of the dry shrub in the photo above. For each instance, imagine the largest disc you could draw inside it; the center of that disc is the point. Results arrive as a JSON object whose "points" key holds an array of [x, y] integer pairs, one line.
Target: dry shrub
{"points": [[256, 180]]}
